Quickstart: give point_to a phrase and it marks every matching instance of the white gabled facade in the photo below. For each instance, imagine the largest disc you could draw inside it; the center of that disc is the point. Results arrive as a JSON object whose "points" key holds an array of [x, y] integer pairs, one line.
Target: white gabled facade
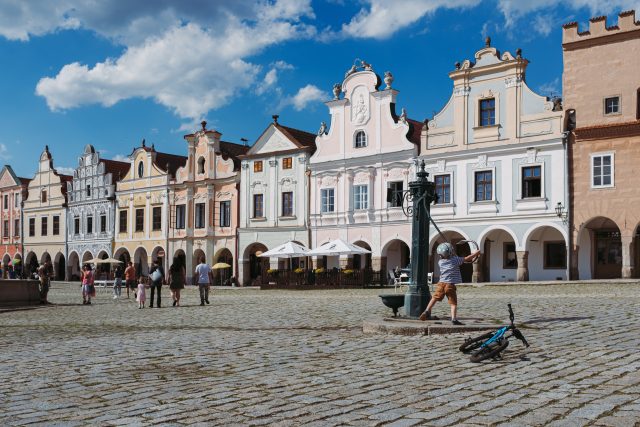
{"points": [[497, 156], [274, 197], [367, 149]]}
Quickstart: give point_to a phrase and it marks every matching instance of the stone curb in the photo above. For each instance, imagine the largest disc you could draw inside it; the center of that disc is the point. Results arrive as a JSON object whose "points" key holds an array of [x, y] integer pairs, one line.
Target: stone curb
{"points": [[400, 326]]}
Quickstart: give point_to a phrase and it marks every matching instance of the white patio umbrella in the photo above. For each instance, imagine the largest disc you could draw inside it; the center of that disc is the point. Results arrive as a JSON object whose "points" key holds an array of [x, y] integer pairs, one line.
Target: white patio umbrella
{"points": [[109, 261], [286, 250], [336, 248]]}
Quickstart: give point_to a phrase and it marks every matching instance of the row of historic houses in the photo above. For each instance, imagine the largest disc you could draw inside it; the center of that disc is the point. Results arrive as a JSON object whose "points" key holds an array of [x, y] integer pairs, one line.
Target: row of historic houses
{"points": [[544, 186]]}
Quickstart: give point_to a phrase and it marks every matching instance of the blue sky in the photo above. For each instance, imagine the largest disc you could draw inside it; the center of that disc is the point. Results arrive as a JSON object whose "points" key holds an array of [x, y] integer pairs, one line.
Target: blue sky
{"points": [[111, 73]]}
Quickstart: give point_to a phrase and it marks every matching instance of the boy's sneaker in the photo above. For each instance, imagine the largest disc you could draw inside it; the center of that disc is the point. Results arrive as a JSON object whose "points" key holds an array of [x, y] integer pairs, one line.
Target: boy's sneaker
{"points": [[457, 322], [425, 316]]}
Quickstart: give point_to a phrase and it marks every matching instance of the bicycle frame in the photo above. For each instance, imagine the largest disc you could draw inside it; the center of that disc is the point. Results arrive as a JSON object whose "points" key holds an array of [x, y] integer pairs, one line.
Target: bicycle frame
{"points": [[496, 336]]}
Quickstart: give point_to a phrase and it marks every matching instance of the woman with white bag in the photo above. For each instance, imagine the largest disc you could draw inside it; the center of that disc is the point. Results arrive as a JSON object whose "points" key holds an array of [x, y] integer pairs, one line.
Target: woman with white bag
{"points": [[156, 275]]}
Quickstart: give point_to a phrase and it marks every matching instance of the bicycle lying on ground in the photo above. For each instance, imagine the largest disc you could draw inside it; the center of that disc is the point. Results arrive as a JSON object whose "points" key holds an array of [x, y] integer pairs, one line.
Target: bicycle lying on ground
{"points": [[491, 344]]}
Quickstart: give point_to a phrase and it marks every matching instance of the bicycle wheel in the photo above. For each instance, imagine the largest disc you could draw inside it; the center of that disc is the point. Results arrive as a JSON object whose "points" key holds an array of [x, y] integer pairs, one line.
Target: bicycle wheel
{"points": [[473, 343], [488, 352]]}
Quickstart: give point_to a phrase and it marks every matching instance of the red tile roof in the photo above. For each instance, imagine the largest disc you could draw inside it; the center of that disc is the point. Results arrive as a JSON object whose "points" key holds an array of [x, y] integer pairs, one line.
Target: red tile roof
{"points": [[117, 169], [232, 150], [170, 161]]}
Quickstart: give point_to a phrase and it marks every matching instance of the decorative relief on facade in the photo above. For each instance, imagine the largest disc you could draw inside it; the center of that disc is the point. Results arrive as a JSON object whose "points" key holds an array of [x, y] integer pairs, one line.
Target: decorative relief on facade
{"points": [[245, 165], [512, 81], [223, 195], [328, 181], [461, 91], [360, 109], [442, 164], [273, 163], [483, 163]]}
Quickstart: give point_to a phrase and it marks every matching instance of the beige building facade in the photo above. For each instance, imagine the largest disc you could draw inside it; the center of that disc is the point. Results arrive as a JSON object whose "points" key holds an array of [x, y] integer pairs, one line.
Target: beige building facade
{"points": [[601, 91], [142, 208], [45, 210]]}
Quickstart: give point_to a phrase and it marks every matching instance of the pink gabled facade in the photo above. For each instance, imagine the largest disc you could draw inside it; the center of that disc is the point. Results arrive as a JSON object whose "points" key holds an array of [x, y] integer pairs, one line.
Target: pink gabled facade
{"points": [[367, 149], [204, 204], [13, 190]]}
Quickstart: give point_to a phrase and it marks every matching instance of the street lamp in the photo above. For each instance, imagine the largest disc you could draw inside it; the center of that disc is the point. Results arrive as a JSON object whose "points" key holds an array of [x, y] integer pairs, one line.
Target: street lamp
{"points": [[416, 204], [561, 212]]}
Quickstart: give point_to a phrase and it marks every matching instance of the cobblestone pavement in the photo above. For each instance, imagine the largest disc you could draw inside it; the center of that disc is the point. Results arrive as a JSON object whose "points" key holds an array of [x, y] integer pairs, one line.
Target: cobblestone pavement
{"points": [[300, 358]]}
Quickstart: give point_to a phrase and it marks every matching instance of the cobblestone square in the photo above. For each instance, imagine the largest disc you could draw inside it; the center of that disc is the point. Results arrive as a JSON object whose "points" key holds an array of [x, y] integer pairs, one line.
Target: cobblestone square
{"points": [[300, 358]]}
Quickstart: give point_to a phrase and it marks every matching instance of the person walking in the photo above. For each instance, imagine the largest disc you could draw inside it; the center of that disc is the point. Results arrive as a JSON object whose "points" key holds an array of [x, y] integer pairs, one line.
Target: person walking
{"points": [[130, 279], [177, 279], [141, 295], [157, 278], [204, 276], [117, 284], [44, 275], [88, 288]]}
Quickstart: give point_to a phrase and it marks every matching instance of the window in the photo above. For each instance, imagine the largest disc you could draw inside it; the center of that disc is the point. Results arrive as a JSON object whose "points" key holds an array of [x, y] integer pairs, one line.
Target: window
{"points": [[287, 203], [139, 219], [443, 188], [510, 259], [140, 170], [76, 225], [257, 166], [395, 188], [360, 139], [360, 197], [602, 170], [89, 225], [123, 221], [156, 216], [16, 227], [200, 215], [5, 228], [6, 201], [531, 182], [225, 213], [488, 112], [88, 191], [201, 165], [327, 200], [16, 200], [287, 163], [103, 223], [43, 196], [181, 211], [637, 108], [258, 206], [32, 227], [56, 225], [44, 226], [483, 184], [612, 105], [555, 255]]}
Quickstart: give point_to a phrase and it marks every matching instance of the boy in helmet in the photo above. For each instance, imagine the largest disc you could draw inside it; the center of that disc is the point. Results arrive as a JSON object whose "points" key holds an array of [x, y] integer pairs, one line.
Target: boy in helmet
{"points": [[449, 275]]}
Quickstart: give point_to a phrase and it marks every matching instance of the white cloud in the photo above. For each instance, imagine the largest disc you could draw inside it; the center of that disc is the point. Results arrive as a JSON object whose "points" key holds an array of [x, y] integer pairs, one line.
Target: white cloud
{"points": [[4, 153], [271, 77], [191, 69], [121, 158], [306, 95], [382, 18], [514, 10], [65, 170], [551, 88]]}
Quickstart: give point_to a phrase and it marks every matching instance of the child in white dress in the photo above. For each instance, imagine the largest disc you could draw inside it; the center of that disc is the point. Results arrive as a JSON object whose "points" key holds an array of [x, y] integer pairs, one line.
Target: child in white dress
{"points": [[142, 294]]}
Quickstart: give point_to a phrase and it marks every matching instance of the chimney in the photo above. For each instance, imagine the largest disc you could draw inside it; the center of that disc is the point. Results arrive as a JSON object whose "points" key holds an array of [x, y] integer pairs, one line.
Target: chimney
{"points": [[275, 119], [244, 141]]}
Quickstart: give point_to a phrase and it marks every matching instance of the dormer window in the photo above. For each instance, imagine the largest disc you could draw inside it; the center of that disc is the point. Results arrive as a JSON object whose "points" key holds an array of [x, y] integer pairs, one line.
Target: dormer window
{"points": [[488, 112], [360, 139], [201, 165], [140, 170]]}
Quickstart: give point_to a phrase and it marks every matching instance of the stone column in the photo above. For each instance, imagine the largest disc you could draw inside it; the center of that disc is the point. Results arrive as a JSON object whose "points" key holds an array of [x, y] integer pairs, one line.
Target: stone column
{"points": [[628, 255], [522, 274], [243, 269], [377, 262], [476, 277]]}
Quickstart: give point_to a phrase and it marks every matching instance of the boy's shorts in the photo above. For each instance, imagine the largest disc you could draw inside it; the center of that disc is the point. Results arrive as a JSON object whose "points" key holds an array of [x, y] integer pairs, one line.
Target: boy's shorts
{"points": [[448, 289]]}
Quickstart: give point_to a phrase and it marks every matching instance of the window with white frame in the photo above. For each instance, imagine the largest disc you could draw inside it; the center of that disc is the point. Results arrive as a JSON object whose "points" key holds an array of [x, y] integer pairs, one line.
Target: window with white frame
{"points": [[199, 215], [360, 197], [327, 200], [180, 216], [225, 213], [287, 203], [531, 181], [443, 188], [602, 168], [360, 139], [612, 105], [396, 189], [483, 186]]}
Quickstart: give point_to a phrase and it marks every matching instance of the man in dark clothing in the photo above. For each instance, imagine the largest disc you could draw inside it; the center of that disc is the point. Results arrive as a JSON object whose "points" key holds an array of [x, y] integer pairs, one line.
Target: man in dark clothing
{"points": [[156, 274]]}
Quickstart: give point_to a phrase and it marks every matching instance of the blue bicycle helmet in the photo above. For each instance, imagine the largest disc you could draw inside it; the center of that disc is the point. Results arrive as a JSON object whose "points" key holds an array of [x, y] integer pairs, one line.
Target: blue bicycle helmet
{"points": [[445, 250]]}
